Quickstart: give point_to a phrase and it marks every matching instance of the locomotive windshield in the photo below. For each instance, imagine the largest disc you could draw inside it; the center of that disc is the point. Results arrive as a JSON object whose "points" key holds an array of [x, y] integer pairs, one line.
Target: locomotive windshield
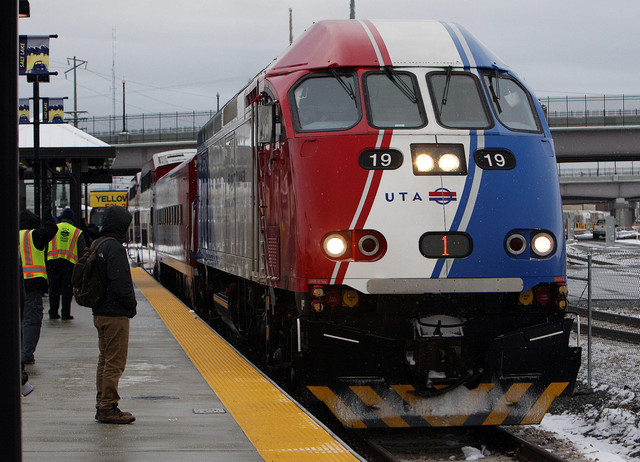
{"points": [[511, 103], [392, 100], [326, 102], [458, 101], [331, 102]]}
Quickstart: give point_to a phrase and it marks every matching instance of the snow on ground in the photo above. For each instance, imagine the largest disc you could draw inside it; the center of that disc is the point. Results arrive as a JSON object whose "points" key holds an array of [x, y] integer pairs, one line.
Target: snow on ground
{"points": [[575, 429], [606, 430]]}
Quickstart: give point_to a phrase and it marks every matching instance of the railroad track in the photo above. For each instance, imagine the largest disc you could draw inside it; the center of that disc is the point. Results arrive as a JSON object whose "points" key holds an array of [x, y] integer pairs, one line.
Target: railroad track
{"points": [[446, 444], [611, 326]]}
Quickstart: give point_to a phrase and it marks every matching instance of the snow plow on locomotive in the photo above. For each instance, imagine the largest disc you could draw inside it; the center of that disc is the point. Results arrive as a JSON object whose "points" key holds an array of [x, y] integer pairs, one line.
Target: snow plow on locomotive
{"points": [[381, 218]]}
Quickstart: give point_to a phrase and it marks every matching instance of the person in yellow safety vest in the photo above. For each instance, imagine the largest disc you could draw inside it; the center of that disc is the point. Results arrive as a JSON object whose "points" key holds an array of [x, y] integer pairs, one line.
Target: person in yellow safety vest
{"points": [[33, 244], [63, 252]]}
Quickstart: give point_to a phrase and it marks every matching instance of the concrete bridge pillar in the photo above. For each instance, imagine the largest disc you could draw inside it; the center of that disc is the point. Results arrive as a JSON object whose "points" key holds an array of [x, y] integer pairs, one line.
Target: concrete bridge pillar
{"points": [[623, 211]]}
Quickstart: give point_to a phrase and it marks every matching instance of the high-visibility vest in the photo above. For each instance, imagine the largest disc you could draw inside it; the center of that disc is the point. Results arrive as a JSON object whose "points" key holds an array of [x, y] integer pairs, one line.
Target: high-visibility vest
{"points": [[65, 244], [33, 264]]}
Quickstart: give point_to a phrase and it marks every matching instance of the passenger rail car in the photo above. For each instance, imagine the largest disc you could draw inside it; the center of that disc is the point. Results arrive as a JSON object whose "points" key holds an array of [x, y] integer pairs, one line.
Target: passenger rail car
{"points": [[133, 235], [380, 216], [175, 230], [141, 196]]}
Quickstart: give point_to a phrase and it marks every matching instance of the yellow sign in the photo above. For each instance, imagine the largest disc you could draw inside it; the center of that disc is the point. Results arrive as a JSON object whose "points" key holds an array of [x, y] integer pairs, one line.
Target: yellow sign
{"points": [[526, 298], [107, 198], [350, 298]]}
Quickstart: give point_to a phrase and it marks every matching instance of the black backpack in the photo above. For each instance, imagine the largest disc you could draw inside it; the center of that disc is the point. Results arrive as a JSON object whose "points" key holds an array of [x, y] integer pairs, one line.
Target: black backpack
{"points": [[88, 288]]}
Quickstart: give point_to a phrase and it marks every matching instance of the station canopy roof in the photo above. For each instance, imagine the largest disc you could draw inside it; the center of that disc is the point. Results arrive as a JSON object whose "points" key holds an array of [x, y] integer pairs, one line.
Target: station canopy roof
{"points": [[60, 143]]}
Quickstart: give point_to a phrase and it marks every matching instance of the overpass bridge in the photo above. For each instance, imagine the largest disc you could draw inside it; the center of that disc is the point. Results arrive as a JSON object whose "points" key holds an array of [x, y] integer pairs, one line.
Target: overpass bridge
{"points": [[590, 185]]}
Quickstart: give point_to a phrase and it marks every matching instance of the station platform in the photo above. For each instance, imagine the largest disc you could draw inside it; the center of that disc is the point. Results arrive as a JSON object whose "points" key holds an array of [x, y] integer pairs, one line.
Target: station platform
{"points": [[194, 397]]}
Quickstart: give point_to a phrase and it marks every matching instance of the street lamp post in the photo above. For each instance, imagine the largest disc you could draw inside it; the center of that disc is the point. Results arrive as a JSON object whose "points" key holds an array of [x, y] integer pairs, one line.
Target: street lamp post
{"points": [[37, 166]]}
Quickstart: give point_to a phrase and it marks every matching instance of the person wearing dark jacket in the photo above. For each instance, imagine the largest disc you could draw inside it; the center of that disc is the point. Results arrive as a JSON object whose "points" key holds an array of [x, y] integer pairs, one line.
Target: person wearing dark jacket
{"points": [[92, 233], [111, 316], [33, 243], [63, 252]]}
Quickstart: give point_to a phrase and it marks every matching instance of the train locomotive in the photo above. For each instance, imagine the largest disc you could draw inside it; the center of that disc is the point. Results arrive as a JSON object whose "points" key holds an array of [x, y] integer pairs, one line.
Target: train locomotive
{"points": [[378, 215]]}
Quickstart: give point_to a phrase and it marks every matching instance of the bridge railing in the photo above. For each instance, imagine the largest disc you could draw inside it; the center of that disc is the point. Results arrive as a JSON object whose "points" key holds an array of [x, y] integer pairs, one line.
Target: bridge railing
{"points": [[565, 111], [610, 169], [590, 111], [143, 128]]}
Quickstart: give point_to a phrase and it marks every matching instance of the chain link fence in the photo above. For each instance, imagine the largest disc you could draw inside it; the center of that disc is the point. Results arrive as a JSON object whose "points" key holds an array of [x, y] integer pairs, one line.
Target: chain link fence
{"points": [[604, 284]]}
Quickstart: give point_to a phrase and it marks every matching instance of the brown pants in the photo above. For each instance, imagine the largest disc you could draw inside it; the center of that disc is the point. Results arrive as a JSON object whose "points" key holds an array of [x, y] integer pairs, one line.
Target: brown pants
{"points": [[113, 341]]}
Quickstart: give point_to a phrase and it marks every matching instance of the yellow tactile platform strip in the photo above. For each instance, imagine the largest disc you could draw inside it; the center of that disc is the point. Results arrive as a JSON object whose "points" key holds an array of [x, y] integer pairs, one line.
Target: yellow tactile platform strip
{"points": [[274, 424]]}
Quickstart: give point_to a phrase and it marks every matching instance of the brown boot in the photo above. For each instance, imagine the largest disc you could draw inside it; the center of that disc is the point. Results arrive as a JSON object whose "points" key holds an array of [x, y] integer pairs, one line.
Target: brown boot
{"points": [[114, 415]]}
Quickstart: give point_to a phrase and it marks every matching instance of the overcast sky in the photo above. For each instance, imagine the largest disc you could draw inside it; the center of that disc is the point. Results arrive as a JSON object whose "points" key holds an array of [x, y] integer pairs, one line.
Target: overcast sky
{"points": [[175, 56]]}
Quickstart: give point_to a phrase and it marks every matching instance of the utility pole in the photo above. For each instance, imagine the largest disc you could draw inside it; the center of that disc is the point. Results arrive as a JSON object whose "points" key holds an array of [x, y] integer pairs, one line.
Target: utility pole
{"points": [[352, 14], [290, 26], [76, 64], [113, 76], [124, 113]]}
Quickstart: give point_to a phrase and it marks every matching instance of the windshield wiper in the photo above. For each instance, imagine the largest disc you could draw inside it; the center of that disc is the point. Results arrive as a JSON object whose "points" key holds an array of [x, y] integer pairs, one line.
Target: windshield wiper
{"points": [[401, 84], [445, 93], [495, 93], [346, 87]]}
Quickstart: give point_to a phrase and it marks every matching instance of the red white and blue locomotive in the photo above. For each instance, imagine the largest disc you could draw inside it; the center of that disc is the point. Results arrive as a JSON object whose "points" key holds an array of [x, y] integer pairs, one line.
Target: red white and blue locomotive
{"points": [[378, 212]]}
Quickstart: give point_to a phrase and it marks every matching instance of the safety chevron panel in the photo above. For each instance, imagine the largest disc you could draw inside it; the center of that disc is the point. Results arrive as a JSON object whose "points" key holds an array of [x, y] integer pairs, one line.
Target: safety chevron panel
{"points": [[376, 405]]}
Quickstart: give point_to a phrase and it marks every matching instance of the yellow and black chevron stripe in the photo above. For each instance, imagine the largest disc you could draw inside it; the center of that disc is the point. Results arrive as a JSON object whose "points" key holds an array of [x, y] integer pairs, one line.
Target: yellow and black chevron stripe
{"points": [[378, 405]]}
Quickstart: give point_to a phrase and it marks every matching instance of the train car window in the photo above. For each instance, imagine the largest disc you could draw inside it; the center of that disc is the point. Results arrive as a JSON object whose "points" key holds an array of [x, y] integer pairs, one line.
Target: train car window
{"points": [[512, 104], [393, 100], [326, 102], [457, 100]]}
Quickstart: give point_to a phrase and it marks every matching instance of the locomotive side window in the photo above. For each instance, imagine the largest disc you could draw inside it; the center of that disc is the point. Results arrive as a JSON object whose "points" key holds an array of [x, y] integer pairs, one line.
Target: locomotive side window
{"points": [[393, 100], [325, 103], [512, 103], [458, 101], [270, 126]]}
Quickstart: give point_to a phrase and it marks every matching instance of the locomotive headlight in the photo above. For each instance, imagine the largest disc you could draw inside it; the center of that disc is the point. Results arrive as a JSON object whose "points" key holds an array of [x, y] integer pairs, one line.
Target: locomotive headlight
{"points": [[424, 163], [449, 163], [516, 244], [438, 159], [354, 245], [335, 245], [369, 245], [542, 244]]}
